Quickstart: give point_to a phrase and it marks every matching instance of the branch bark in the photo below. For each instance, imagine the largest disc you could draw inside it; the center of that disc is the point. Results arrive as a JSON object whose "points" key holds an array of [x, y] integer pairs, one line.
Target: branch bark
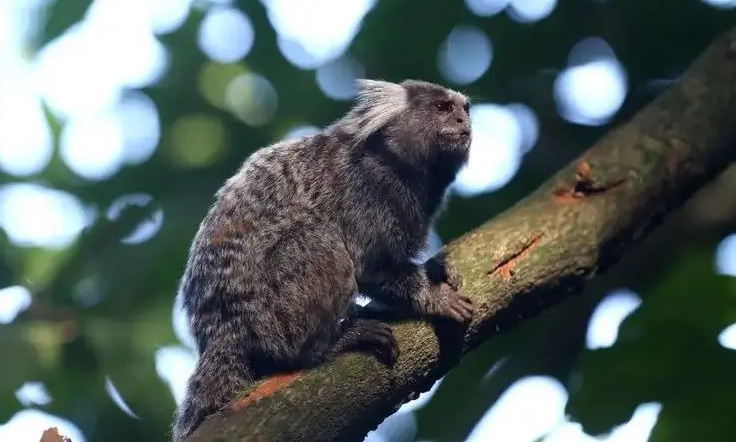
{"points": [[530, 257]]}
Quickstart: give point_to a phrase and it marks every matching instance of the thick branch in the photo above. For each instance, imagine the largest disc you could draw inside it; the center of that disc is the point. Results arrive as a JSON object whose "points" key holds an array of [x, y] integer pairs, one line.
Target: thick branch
{"points": [[530, 257]]}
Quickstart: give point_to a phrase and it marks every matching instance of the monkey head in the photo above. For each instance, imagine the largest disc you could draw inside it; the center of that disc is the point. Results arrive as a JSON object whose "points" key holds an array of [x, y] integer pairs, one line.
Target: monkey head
{"points": [[439, 115]]}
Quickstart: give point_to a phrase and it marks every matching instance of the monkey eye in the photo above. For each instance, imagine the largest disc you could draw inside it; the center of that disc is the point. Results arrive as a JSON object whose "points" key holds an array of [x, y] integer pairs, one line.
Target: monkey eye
{"points": [[444, 106]]}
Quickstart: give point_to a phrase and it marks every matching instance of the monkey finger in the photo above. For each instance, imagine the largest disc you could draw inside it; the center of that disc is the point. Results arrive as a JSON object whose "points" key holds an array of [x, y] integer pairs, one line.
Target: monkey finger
{"points": [[453, 279], [465, 311], [387, 352]]}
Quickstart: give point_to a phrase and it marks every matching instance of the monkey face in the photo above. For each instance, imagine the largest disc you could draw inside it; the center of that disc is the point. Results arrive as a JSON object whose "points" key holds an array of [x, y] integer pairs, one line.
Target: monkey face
{"points": [[453, 120], [442, 112]]}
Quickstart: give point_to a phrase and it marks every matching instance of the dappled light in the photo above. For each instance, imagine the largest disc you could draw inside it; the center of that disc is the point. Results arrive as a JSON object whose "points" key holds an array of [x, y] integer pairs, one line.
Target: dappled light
{"points": [[147, 228], [28, 425], [119, 120], [198, 140], [495, 152], [726, 256], [33, 393], [528, 410], [174, 364], [608, 315], [465, 55], [226, 35], [637, 429], [116, 397], [593, 87], [301, 131], [303, 38], [252, 98], [337, 78], [37, 216], [13, 300]]}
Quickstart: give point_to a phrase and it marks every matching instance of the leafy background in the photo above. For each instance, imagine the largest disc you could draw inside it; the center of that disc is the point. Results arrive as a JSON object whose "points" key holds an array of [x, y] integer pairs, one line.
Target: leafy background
{"points": [[119, 120]]}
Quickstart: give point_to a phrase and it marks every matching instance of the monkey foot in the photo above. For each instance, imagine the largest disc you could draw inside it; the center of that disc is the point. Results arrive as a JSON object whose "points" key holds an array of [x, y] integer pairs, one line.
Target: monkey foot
{"points": [[452, 303]]}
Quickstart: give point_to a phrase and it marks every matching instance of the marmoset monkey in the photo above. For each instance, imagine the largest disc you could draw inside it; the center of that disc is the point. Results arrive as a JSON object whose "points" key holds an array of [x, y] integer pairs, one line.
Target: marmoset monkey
{"points": [[305, 225]]}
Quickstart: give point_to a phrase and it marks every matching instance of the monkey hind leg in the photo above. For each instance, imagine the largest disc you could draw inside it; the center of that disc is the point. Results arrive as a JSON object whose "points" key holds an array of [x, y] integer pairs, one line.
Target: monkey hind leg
{"points": [[367, 335], [221, 372]]}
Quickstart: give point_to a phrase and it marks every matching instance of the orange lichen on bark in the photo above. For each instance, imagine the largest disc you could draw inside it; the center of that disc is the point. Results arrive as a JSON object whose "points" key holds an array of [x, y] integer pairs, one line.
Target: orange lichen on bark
{"points": [[52, 435], [506, 268], [584, 186], [267, 388]]}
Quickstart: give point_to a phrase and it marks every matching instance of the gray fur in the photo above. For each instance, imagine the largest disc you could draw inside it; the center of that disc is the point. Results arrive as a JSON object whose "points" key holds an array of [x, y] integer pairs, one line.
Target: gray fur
{"points": [[305, 224]]}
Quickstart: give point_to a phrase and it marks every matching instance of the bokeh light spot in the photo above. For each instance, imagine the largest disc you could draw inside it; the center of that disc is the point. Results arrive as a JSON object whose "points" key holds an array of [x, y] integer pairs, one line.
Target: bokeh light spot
{"points": [[721, 4], [214, 79], [252, 98], [637, 429], [465, 55], [591, 93], [13, 301], [37, 216], [88, 291], [25, 137], [117, 398], [313, 32], [398, 427], [33, 393], [174, 365], [198, 140], [180, 324], [607, 317], [727, 337], [486, 8], [301, 132], [226, 34], [28, 425], [166, 15], [337, 78], [421, 400], [529, 122], [69, 82], [726, 256], [495, 150], [526, 411], [527, 11], [93, 146], [147, 228], [140, 126]]}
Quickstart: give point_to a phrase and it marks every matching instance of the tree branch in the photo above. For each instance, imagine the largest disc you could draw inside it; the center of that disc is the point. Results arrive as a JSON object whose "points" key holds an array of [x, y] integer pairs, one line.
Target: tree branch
{"points": [[530, 257]]}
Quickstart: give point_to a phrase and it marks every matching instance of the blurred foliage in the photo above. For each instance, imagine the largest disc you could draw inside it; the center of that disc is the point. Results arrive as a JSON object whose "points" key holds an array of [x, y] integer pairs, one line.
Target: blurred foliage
{"points": [[667, 350]]}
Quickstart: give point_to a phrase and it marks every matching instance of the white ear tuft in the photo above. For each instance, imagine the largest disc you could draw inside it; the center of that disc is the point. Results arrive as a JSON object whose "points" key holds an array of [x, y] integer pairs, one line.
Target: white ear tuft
{"points": [[377, 102]]}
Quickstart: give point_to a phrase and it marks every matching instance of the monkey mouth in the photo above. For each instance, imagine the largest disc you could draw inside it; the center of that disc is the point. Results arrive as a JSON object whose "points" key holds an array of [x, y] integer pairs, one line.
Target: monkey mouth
{"points": [[462, 136]]}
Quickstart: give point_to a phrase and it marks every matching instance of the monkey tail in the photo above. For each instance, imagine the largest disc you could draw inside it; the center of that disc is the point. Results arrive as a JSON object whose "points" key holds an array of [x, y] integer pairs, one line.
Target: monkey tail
{"points": [[220, 373]]}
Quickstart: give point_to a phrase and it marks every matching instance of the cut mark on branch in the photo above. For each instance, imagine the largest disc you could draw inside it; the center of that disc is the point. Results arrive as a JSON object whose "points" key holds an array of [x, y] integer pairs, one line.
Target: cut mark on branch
{"points": [[584, 186], [266, 388], [506, 267]]}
